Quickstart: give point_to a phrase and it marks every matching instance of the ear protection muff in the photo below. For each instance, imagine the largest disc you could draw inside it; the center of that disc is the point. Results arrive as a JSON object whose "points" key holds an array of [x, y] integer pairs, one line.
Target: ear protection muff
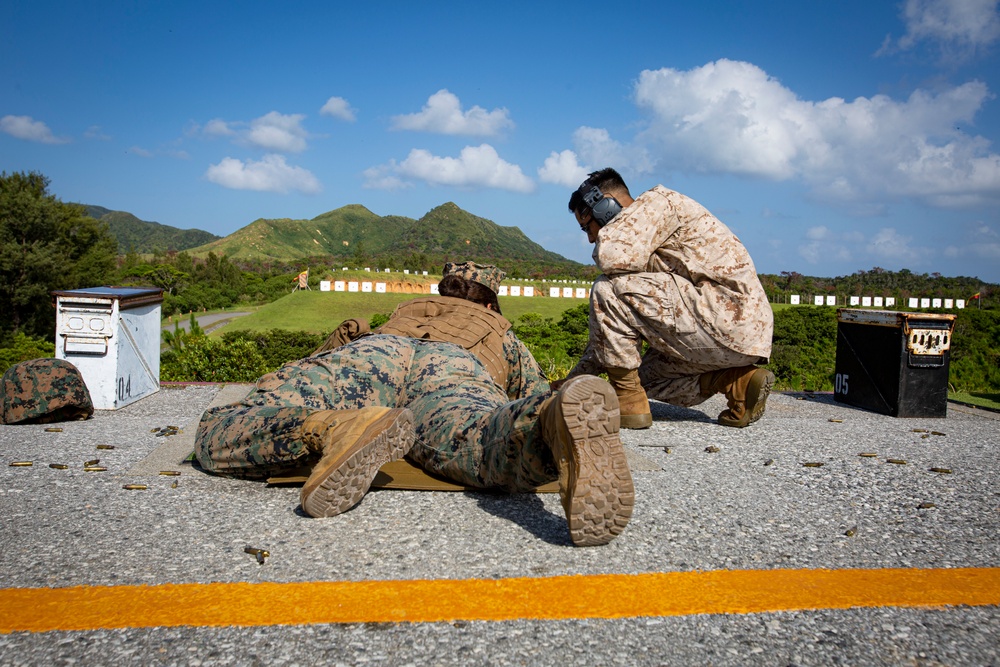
{"points": [[603, 207]]}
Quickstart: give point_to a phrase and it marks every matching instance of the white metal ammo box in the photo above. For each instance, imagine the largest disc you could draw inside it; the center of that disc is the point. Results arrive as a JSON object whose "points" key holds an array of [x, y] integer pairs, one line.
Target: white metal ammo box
{"points": [[112, 335]]}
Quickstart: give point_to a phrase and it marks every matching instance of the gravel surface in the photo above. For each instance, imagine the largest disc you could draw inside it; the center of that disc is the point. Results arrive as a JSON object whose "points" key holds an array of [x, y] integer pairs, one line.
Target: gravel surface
{"points": [[708, 498]]}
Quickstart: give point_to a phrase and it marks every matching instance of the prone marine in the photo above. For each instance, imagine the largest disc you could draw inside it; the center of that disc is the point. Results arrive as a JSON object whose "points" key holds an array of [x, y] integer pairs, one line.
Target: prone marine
{"points": [[445, 383]]}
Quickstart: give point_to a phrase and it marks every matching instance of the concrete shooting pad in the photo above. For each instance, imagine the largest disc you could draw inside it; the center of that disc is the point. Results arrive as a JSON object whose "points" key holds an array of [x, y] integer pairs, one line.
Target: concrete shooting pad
{"points": [[823, 534]]}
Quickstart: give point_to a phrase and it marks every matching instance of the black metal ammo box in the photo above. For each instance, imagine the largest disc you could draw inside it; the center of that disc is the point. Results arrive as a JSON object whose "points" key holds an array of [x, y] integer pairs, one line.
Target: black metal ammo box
{"points": [[892, 362]]}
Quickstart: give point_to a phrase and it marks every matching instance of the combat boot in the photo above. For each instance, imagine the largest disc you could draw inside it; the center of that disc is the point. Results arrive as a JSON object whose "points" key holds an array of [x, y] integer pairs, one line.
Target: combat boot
{"points": [[580, 425], [354, 445], [631, 398], [746, 389]]}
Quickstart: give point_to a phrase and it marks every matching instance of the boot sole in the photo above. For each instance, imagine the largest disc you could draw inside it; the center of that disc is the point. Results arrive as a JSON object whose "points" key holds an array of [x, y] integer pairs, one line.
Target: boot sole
{"points": [[758, 389], [598, 494], [349, 479]]}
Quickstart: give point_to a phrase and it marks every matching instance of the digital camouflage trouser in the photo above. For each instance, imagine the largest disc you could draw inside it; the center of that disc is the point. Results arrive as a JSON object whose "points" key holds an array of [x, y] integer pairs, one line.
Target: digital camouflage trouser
{"points": [[466, 429]]}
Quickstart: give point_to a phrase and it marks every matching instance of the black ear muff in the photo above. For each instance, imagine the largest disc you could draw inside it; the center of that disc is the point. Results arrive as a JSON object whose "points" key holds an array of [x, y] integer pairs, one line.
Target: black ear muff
{"points": [[602, 207]]}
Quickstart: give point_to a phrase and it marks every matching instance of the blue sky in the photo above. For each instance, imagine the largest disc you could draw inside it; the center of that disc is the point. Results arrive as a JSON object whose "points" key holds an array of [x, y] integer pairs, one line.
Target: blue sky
{"points": [[831, 137]]}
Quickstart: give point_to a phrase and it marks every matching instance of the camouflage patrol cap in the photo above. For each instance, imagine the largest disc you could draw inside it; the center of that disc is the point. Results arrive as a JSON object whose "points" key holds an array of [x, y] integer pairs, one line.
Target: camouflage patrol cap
{"points": [[484, 274], [42, 391]]}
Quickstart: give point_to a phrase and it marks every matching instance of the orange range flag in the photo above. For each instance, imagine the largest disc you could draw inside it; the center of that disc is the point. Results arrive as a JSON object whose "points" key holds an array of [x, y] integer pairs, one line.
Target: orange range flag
{"points": [[974, 296]]}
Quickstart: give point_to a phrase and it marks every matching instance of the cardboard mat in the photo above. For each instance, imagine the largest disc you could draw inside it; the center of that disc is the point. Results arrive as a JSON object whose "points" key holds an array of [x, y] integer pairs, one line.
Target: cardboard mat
{"points": [[402, 474]]}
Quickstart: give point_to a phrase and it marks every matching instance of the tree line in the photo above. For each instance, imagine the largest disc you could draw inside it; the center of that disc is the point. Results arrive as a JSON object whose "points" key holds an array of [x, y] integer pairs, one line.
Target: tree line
{"points": [[803, 356], [903, 285], [48, 245]]}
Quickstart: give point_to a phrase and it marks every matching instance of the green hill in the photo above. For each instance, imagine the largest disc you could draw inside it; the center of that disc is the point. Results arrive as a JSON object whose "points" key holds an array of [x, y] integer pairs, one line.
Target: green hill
{"points": [[337, 233], [448, 230], [146, 237], [353, 231]]}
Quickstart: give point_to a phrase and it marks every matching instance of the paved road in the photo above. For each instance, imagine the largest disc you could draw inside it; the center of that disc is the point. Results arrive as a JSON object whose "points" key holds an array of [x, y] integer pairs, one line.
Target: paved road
{"points": [[724, 562], [206, 322]]}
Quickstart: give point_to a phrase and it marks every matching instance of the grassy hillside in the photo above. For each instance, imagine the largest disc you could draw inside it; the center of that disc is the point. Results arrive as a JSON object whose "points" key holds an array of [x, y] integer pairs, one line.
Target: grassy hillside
{"points": [[143, 236], [321, 312], [337, 233], [353, 231], [448, 230]]}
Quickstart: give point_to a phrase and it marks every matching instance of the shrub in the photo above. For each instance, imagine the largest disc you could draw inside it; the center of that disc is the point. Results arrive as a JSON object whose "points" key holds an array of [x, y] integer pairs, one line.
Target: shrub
{"points": [[205, 359], [20, 347], [804, 348], [975, 351], [278, 346], [556, 346]]}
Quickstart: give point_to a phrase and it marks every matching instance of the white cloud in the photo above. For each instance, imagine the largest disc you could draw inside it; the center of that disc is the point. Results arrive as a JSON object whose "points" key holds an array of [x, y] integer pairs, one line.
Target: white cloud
{"points": [[886, 245], [278, 132], [562, 169], [29, 129], [990, 251], [983, 232], [818, 233], [95, 132], [443, 115], [815, 252], [979, 241], [270, 174], [958, 28], [338, 107], [141, 152], [824, 244], [748, 120], [769, 213], [476, 166], [383, 177], [732, 117], [274, 132], [812, 252], [596, 147], [219, 128]]}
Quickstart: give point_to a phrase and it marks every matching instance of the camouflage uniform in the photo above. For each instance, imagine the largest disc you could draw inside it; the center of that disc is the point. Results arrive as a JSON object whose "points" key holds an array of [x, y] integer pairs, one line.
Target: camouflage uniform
{"points": [[678, 278], [466, 428], [43, 391]]}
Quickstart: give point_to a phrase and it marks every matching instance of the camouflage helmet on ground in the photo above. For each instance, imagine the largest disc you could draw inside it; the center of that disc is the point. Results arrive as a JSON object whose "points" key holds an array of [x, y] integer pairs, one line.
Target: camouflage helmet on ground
{"points": [[484, 274], [42, 391]]}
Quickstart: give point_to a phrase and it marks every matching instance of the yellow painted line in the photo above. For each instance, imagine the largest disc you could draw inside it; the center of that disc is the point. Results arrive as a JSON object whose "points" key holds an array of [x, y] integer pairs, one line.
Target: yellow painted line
{"points": [[593, 596]]}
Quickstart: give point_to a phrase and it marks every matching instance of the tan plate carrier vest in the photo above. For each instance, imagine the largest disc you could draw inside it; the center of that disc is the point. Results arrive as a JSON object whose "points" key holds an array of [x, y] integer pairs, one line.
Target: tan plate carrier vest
{"points": [[450, 320]]}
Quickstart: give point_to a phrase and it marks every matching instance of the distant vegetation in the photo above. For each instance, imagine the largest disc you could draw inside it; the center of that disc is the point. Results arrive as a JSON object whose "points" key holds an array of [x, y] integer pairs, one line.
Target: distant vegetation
{"points": [[901, 285], [803, 355], [135, 235], [356, 237], [805, 349], [216, 281], [555, 330], [47, 245]]}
